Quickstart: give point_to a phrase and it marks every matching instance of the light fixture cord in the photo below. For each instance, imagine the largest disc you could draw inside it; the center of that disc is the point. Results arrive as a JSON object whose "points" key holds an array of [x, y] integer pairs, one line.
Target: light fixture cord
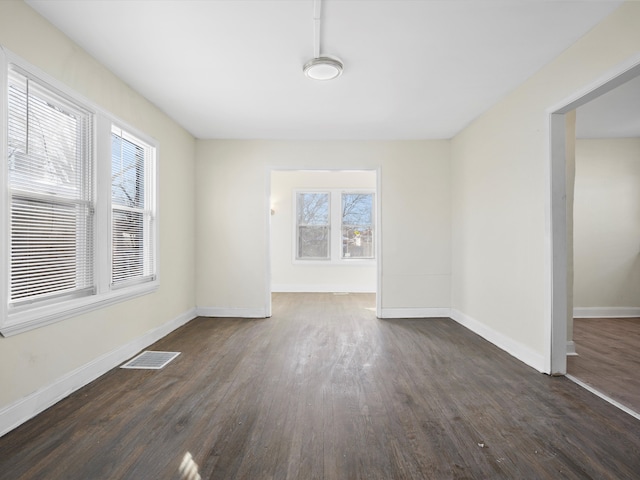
{"points": [[317, 7]]}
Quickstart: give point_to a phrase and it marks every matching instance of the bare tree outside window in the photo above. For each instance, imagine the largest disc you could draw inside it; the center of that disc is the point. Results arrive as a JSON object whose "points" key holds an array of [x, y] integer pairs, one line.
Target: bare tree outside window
{"points": [[129, 214], [357, 225], [312, 225]]}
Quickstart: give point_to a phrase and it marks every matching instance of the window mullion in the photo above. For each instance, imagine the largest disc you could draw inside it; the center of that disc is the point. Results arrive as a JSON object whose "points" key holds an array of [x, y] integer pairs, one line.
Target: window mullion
{"points": [[336, 225], [103, 204]]}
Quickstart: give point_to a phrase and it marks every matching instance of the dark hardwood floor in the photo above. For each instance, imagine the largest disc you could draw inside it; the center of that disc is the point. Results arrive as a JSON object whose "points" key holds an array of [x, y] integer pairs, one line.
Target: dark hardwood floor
{"points": [[608, 357], [324, 390]]}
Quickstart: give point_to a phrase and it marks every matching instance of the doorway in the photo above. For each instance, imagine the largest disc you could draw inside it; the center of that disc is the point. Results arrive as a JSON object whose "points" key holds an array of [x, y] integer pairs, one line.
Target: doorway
{"points": [[561, 217], [345, 256]]}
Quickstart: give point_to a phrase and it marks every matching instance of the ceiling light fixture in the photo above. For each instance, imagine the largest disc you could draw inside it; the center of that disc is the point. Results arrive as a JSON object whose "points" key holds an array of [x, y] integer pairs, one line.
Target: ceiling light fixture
{"points": [[321, 67]]}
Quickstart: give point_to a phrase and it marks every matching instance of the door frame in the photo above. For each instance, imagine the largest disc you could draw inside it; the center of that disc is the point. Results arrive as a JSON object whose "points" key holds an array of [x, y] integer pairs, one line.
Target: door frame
{"points": [[378, 227], [559, 303]]}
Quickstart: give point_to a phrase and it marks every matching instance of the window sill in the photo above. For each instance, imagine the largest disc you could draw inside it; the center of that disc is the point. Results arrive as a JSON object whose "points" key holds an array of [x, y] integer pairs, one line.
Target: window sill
{"points": [[36, 317], [352, 262]]}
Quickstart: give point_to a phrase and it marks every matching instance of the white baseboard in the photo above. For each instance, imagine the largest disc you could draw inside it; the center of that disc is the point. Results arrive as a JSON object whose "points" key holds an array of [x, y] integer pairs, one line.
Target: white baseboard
{"points": [[231, 312], [571, 349], [512, 347], [19, 412], [606, 312], [414, 312], [324, 288]]}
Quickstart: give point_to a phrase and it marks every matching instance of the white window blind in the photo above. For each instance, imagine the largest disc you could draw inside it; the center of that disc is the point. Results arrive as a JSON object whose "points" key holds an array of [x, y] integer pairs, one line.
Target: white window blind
{"points": [[50, 188], [132, 209]]}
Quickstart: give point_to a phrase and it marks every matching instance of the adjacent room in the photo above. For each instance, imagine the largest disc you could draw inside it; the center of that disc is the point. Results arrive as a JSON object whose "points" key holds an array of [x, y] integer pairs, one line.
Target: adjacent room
{"points": [[606, 324], [357, 238]]}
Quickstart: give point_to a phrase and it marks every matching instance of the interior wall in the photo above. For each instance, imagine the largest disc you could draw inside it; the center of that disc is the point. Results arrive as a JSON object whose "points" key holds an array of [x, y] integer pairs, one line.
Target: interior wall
{"points": [[501, 194], [31, 361], [233, 211], [607, 224], [316, 276]]}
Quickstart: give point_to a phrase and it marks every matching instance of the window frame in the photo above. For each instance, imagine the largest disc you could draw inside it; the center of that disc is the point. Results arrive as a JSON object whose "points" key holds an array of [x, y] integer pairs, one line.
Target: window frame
{"points": [[327, 226], [148, 212], [335, 229], [372, 226], [30, 189], [16, 320]]}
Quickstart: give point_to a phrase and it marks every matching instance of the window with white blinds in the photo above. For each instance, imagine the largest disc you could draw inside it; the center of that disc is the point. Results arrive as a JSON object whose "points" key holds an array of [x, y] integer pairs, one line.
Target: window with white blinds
{"points": [[78, 229], [132, 225], [50, 191]]}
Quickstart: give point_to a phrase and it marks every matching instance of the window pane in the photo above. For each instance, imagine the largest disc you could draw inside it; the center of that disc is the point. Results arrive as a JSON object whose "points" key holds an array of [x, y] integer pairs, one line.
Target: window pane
{"points": [[47, 258], [47, 141], [313, 225], [357, 225], [50, 193], [127, 173], [313, 209], [313, 242], [132, 252], [128, 246]]}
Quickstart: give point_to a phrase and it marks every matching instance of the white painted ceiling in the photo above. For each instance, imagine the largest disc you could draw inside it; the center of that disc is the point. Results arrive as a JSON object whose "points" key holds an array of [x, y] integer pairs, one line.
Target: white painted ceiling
{"points": [[414, 69]]}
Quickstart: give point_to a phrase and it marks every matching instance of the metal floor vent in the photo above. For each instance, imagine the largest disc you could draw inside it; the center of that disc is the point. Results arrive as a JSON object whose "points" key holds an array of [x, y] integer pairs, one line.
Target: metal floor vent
{"points": [[151, 360]]}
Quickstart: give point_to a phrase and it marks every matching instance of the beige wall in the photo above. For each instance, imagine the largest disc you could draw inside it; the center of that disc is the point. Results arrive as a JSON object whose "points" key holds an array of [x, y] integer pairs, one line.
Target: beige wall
{"points": [[33, 360], [500, 190], [607, 223], [315, 276], [233, 205]]}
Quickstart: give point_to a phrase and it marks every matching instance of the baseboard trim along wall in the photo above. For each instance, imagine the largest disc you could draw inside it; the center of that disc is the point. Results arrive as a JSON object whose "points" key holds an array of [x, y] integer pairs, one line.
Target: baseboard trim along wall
{"points": [[606, 312], [325, 288], [512, 347], [231, 312], [571, 349], [26, 408], [415, 312]]}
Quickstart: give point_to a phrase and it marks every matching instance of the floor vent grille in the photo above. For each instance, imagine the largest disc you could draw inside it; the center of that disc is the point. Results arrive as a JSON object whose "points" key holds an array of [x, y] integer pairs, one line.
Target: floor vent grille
{"points": [[151, 360]]}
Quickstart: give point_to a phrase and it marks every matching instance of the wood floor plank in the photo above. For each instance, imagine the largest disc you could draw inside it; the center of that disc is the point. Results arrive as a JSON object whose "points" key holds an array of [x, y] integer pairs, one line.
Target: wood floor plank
{"points": [[325, 390], [608, 357]]}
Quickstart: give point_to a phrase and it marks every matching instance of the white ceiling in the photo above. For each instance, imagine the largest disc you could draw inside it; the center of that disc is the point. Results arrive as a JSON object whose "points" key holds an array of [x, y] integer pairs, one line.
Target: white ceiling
{"points": [[414, 69]]}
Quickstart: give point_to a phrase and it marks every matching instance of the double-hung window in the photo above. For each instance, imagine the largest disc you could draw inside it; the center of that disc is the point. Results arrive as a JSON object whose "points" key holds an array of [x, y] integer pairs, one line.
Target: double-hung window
{"points": [[79, 230], [336, 226], [312, 225], [50, 187], [357, 225], [132, 212]]}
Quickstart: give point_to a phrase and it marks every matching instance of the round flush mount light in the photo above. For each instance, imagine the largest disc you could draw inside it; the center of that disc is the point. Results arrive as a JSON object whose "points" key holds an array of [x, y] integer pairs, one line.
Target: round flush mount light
{"points": [[323, 68]]}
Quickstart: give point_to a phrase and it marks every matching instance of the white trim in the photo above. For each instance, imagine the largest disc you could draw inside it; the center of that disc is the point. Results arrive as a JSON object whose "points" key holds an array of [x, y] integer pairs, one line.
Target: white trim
{"points": [[4, 192], [556, 295], [28, 407], [48, 314], [379, 242], [423, 312], [606, 312], [557, 248], [512, 347], [606, 398], [322, 288], [571, 349], [232, 312], [267, 225]]}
